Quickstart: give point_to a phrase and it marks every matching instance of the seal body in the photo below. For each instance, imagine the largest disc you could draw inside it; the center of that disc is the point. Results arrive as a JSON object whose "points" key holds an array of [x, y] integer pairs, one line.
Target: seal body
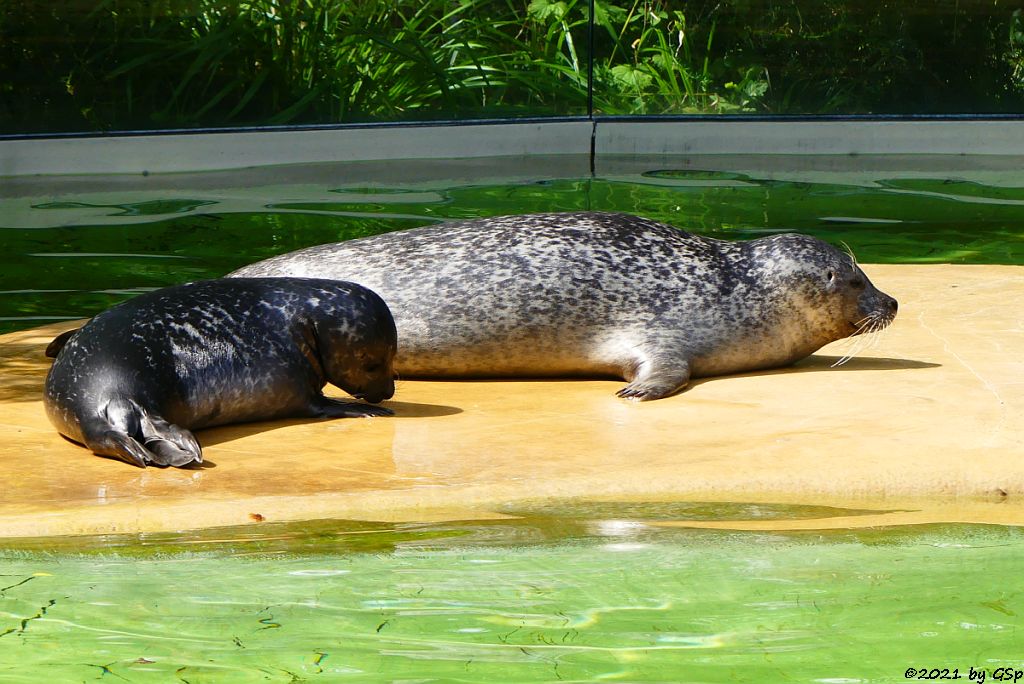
{"points": [[599, 294], [135, 379]]}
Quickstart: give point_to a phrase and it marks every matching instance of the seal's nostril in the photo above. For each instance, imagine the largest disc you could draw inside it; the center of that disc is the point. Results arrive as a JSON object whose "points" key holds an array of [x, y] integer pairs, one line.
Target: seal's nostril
{"points": [[894, 305]]}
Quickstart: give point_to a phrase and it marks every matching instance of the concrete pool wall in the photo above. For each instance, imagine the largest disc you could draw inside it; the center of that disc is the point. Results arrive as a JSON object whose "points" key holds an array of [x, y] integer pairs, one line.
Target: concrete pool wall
{"points": [[177, 152]]}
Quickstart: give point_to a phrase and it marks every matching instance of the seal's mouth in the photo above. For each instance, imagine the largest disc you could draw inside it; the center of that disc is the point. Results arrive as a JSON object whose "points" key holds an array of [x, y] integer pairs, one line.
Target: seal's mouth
{"points": [[375, 396], [878, 319], [872, 323]]}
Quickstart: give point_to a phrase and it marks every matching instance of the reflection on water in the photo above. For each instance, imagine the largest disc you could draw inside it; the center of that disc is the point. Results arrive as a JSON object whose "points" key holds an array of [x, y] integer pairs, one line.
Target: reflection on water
{"points": [[147, 208], [104, 244], [534, 599]]}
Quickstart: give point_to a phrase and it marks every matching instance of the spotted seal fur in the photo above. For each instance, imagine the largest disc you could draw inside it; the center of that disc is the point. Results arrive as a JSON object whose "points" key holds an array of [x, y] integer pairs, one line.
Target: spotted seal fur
{"points": [[599, 294], [135, 379]]}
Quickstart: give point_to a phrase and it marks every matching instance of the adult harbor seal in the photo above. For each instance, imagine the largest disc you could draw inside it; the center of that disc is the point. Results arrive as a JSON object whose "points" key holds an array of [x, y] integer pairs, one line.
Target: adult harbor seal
{"points": [[136, 378], [599, 294]]}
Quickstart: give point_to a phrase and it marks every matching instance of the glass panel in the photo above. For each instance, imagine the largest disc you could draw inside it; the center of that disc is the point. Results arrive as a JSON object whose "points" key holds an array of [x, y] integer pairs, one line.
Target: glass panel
{"points": [[76, 66], [73, 66], [809, 57]]}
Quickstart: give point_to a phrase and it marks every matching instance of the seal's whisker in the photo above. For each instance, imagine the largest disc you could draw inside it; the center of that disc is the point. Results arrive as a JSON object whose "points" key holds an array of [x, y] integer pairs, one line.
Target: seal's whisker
{"points": [[841, 361], [862, 327], [851, 342], [872, 336], [849, 253], [857, 348], [870, 331], [882, 327], [848, 354], [862, 341]]}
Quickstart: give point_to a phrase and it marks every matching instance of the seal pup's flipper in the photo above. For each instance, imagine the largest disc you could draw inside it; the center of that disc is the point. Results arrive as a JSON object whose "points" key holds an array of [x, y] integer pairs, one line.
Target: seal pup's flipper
{"points": [[173, 445], [121, 445], [332, 408], [58, 342], [656, 378], [128, 432]]}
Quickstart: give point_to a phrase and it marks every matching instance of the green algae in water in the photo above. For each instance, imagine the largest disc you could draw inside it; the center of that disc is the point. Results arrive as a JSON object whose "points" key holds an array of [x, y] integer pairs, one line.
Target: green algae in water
{"points": [[678, 510], [495, 604]]}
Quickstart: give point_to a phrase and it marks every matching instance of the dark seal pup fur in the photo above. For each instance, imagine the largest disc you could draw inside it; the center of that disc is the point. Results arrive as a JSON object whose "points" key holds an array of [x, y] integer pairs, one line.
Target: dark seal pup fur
{"points": [[136, 378], [599, 294]]}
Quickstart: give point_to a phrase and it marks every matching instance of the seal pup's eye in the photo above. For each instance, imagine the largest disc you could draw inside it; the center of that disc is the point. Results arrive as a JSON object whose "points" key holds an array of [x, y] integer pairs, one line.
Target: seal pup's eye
{"points": [[372, 367], [858, 283]]}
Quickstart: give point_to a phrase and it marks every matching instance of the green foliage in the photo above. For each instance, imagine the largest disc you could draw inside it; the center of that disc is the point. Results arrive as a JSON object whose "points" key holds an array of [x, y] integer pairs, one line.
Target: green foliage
{"points": [[662, 63], [880, 56], [187, 63], [142, 64]]}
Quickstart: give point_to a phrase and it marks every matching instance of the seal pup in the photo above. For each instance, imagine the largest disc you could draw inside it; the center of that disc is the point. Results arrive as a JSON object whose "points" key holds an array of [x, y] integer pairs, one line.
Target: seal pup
{"points": [[134, 380], [599, 294]]}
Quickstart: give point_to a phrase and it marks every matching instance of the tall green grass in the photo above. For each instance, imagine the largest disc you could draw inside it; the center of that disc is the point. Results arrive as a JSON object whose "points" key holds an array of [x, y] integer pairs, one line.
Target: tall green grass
{"points": [[75, 65], [186, 63]]}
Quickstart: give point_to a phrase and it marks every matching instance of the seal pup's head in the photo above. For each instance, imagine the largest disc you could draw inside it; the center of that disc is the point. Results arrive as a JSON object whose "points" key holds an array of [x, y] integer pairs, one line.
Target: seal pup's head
{"points": [[360, 357], [819, 285]]}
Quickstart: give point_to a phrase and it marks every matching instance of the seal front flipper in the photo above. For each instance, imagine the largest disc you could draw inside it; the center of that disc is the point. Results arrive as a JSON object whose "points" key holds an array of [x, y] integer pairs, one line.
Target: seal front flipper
{"points": [[655, 378], [332, 408]]}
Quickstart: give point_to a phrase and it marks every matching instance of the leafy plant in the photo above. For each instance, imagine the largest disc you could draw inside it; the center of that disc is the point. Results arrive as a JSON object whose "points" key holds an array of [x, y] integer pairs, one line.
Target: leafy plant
{"points": [[144, 64]]}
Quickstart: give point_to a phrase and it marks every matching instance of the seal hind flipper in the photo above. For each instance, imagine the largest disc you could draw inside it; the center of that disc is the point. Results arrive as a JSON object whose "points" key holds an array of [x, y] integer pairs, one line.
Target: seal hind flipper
{"points": [[173, 445], [127, 431], [169, 454], [333, 408], [123, 446], [58, 342]]}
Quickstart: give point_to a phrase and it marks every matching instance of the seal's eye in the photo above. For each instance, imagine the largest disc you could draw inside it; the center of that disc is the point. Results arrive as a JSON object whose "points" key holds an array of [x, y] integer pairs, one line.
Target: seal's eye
{"points": [[857, 284], [372, 367]]}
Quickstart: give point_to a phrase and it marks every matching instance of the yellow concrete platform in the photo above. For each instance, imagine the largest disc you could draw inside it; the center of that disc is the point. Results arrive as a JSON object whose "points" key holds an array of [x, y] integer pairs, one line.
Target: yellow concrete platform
{"points": [[928, 422]]}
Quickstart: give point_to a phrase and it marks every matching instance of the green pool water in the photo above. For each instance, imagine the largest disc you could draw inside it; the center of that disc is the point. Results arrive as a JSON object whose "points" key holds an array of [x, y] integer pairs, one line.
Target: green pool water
{"points": [[66, 252], [553, 596]]}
